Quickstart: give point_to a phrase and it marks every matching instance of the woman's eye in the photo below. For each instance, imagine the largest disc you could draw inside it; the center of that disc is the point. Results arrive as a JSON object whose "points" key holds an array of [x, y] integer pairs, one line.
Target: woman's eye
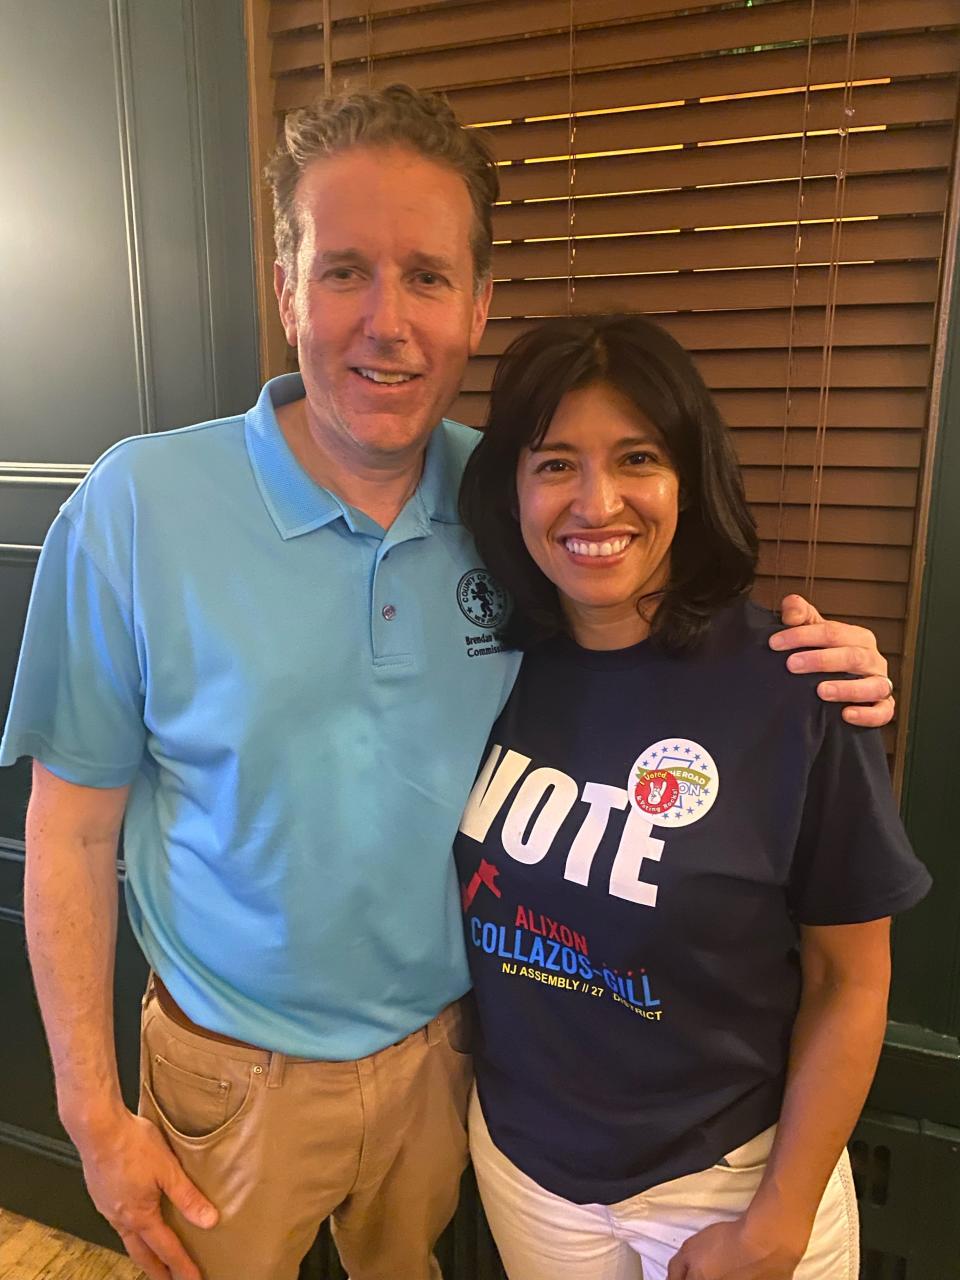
{"points": [[552, 466], [640, 459]]}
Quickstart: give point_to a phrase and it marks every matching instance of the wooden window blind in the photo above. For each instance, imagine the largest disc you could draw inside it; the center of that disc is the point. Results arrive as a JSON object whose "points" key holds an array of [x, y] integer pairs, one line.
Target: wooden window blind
{"points": [[769, 178]]}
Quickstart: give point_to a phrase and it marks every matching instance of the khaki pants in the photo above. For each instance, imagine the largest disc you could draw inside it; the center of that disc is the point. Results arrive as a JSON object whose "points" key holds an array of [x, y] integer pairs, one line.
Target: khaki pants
{"points": [[280, 1144]]}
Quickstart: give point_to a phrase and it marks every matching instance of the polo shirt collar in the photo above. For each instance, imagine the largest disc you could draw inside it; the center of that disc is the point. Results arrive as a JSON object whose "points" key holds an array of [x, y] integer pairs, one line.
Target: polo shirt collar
{"points": [[439, 487], [297, 504]]}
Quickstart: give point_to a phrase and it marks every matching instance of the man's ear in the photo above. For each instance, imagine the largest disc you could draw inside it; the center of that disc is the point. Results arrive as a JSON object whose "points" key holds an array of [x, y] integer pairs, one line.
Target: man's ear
{"points": [[284, 288]]}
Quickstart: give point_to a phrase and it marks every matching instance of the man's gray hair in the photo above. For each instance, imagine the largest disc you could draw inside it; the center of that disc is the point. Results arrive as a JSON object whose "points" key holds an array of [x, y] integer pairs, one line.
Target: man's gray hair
{"points": [[395, 116]]}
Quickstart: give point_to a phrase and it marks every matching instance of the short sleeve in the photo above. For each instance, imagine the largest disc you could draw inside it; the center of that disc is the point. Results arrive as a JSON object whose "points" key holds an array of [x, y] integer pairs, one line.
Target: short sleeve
{"points": [[853, 861], [77, 702]]}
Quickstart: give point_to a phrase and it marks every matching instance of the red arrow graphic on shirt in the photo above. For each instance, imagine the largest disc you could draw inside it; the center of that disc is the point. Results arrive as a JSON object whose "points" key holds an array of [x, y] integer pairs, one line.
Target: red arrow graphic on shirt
{"points": [[486, 874]]}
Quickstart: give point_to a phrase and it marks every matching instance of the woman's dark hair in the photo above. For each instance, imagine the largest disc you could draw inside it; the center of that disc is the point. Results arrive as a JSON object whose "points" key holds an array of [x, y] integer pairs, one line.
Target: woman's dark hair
{"points": [[714, 552]]}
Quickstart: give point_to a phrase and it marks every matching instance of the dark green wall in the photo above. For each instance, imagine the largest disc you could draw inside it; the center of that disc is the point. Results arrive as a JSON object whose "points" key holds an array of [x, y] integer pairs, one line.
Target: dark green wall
{"points": [[927, 987], [910, 1137], [126, 212]]}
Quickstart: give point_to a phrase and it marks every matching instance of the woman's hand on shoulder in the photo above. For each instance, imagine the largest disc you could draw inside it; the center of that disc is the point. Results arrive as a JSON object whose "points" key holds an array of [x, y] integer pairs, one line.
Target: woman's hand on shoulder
{"points": [[838, 646], [739, 1250]]}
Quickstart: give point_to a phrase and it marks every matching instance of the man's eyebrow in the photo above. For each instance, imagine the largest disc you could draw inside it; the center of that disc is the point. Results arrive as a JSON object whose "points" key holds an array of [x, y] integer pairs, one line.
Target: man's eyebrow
{"points": [[339, 257], [431, 262], [353, 257], [627, 442]]}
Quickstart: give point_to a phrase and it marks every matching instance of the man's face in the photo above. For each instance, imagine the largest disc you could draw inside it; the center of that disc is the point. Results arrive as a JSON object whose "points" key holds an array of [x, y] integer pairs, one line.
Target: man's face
{"points": [[383, 311]]}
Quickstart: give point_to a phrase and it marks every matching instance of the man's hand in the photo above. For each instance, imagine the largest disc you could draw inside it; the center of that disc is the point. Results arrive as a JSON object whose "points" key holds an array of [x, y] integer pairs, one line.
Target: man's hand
{"points": [[838, 646], [128, 1167], [735, 1251]]}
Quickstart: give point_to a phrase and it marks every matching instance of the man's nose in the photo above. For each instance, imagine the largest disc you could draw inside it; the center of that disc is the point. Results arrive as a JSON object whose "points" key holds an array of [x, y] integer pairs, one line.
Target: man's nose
{"points": [[386, 318], [598, 498]]}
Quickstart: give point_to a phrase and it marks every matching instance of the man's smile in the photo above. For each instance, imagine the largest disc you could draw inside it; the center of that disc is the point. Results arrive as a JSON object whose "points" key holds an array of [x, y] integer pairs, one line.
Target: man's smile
{"points": [[385, 377]]}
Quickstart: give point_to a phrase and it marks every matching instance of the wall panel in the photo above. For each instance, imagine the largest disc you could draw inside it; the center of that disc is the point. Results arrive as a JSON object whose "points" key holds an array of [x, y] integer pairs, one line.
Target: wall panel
{"points": [[130, 246]]}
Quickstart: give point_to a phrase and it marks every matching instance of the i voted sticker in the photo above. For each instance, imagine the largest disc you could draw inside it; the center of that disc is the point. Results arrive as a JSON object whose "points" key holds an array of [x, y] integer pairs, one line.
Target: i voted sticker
{"points": [[673, 783]]}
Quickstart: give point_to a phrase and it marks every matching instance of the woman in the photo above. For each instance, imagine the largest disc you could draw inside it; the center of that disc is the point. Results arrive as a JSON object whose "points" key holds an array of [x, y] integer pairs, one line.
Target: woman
{"points": [[678, 866]]}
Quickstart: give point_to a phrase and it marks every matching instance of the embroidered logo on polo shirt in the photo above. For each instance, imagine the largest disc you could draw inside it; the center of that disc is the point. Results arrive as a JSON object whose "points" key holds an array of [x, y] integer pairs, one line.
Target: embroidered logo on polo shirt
{"points": [[481, 599], [673, 783]]}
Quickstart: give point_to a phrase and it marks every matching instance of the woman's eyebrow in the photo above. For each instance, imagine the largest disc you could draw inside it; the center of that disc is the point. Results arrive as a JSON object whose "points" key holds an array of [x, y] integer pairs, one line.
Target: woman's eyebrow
{"points": [[559, 447], [627, 442]]}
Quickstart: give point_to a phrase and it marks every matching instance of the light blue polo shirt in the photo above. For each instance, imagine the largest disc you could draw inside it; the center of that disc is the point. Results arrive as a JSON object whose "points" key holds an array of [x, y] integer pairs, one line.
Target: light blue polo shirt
{"points": [[299, 702]]}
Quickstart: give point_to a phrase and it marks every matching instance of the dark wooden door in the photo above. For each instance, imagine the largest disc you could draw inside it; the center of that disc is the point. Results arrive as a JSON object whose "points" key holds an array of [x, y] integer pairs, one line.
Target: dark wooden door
{"points": [[129, 308]]}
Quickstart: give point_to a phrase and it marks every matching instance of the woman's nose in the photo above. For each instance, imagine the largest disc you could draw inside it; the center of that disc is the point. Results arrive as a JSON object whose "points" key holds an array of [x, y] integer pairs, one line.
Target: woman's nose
{"points": [[598, 499]]}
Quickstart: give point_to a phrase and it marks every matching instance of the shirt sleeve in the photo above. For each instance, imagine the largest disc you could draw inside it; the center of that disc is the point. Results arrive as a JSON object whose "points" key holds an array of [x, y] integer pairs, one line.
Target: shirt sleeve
{"points": [[77, 702], [853, 861]]}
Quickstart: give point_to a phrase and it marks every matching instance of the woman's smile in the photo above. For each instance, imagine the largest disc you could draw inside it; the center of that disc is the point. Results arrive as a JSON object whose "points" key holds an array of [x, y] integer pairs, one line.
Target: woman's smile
{"points": [[598, 550]]}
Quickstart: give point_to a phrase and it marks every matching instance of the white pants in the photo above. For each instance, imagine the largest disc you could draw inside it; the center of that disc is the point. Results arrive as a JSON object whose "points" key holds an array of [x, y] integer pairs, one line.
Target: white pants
{"points": [[541, 1236]]}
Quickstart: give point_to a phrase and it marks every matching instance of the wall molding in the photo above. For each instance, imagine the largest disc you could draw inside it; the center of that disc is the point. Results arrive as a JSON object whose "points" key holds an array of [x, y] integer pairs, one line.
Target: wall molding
{"points": [[916, 1039], [19, 553], [918, 1079], [40, 1144], [123, 74], [66, 474], [198, 165]]}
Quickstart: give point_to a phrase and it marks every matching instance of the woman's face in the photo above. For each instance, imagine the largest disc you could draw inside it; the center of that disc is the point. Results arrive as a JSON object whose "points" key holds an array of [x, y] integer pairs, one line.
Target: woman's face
{"points": [[598, 503]]}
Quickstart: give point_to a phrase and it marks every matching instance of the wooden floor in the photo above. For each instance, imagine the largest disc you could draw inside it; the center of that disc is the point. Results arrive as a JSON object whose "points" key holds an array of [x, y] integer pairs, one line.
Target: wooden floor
{"points": [[29, 1251]]}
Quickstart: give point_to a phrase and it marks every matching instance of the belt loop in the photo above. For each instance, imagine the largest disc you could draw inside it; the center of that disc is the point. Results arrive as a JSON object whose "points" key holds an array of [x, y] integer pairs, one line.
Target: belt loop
{"points": [[278, 1062]]}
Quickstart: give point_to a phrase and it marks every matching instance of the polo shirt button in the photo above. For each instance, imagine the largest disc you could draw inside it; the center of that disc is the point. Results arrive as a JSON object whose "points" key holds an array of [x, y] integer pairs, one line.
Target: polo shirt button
{"points": [[389, 612]]}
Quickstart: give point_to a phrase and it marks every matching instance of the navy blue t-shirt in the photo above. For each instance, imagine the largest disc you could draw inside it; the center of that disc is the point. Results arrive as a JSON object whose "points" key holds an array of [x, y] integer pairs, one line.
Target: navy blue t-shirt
{"points": [[644, 838]]}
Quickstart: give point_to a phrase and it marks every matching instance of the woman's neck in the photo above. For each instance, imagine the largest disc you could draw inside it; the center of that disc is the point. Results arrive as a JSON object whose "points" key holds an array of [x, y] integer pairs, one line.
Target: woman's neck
{"points": [[609, 627]]}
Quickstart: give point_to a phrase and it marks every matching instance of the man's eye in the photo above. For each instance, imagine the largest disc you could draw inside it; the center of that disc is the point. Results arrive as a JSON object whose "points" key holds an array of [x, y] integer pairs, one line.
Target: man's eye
{"points": [[429, 278], [339, 274]]}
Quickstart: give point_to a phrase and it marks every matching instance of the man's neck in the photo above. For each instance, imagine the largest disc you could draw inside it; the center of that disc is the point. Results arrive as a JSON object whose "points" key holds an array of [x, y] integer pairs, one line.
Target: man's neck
{"points": [[379, 491]]}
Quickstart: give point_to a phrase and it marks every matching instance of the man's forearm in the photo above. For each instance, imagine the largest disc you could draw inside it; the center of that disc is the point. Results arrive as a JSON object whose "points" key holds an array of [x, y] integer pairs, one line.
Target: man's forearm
{"points": [[833, 1056], [70, 894]]}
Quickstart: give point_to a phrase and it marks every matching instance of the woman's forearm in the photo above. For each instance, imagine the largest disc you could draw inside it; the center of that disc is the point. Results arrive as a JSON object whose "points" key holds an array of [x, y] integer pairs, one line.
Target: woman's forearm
{"points": [[836, 1042]]}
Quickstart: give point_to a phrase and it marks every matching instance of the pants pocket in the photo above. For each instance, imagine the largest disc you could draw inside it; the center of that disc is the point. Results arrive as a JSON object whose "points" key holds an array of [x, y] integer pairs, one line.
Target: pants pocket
{"points": [[195, 1105], [751, 1155], [196, 1093]]}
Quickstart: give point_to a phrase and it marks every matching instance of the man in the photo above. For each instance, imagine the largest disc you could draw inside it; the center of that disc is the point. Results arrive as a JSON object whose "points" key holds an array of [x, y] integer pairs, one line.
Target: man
{"points": [[264, 645]]}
